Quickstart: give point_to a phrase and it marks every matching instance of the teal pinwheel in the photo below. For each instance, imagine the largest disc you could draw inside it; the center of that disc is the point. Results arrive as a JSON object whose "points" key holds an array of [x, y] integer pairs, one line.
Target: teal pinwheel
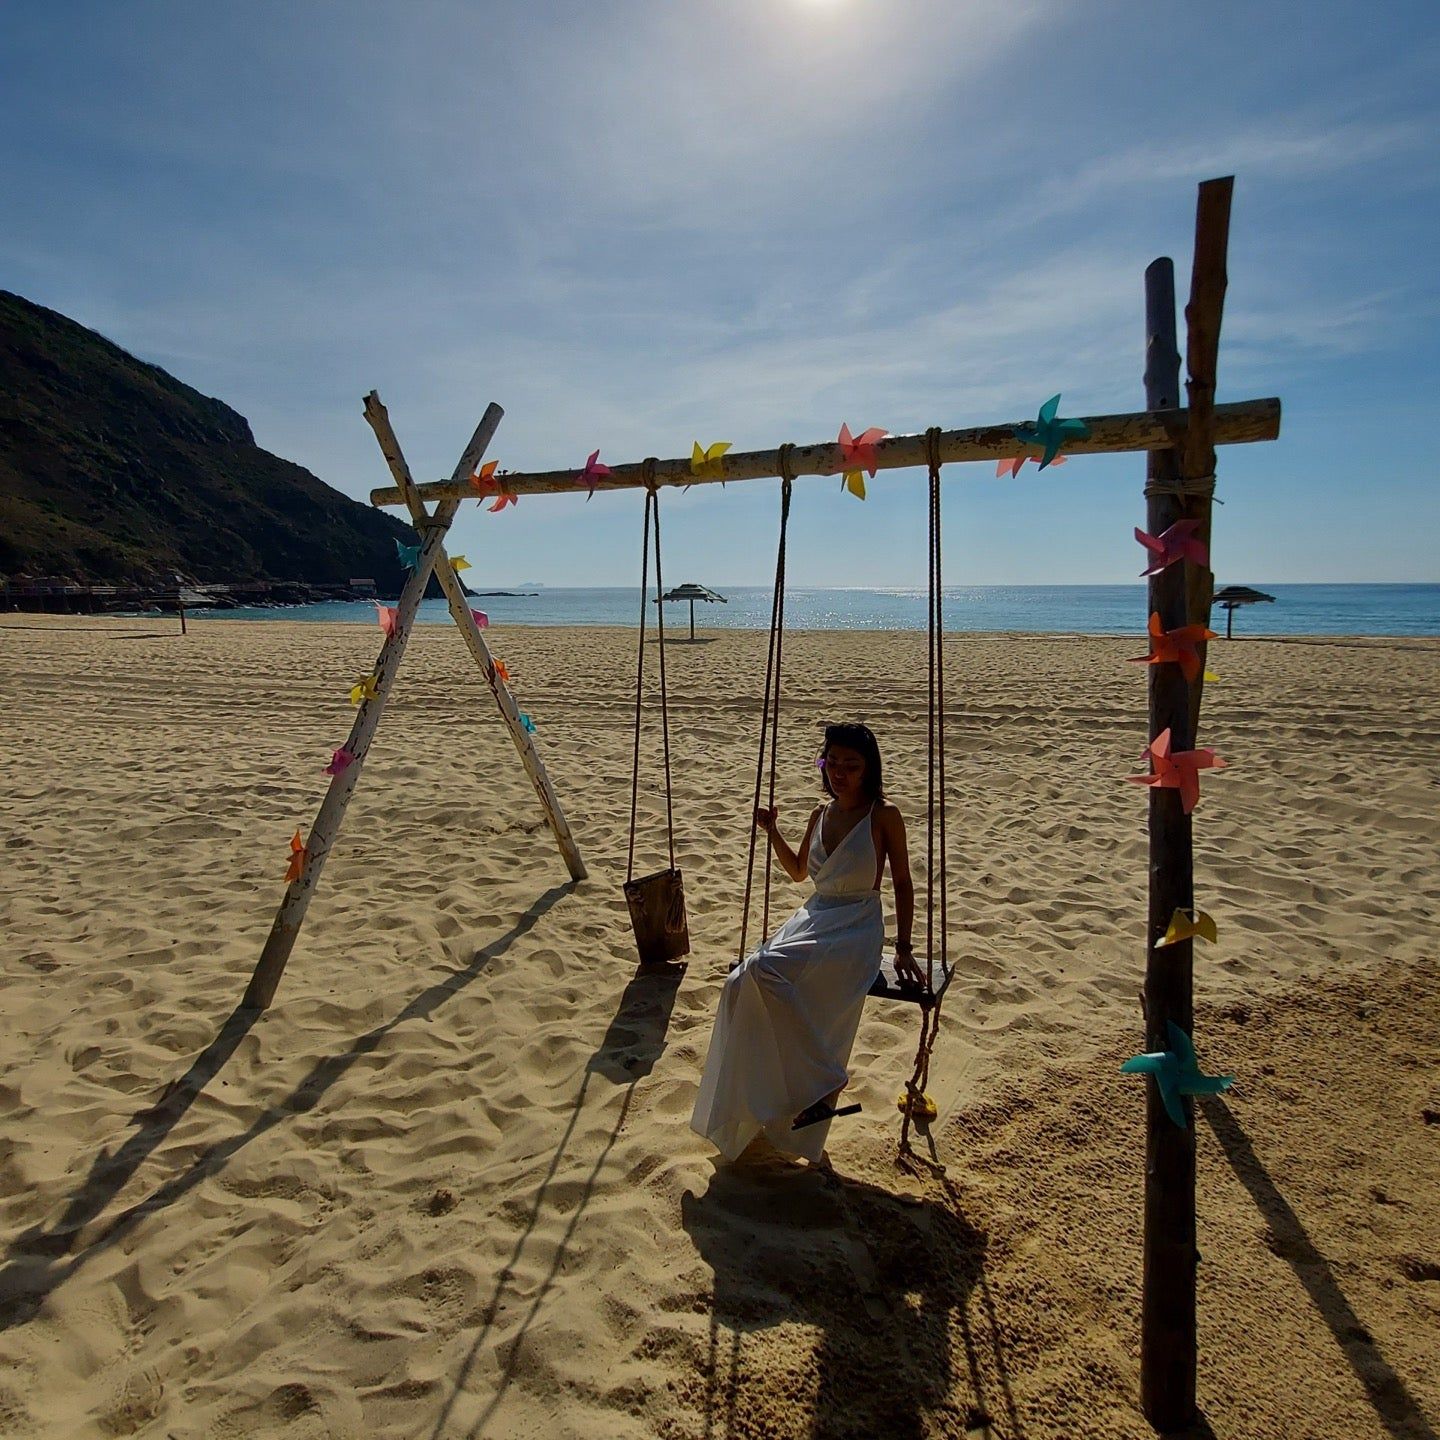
{"points": [[1050, 433], [409, 555], [1177, 1073]]}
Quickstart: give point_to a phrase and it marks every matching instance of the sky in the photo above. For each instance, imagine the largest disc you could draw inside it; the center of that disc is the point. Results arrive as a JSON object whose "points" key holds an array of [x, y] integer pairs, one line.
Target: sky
{"points": [[639, 223]]}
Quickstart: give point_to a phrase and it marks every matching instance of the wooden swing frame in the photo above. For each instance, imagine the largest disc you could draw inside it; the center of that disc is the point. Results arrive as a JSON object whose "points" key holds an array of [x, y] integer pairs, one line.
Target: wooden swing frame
{"points": [[1180, 471]]}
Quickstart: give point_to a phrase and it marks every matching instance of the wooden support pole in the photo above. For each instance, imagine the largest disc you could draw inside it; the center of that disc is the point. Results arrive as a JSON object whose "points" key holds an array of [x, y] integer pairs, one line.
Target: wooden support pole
{"points": [[1237, 424], [1177, 489], [291, 915], [379, 420]]}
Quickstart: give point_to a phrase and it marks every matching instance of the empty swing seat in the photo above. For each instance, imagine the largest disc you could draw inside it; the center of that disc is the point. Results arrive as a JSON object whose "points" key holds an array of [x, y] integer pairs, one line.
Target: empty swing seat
{"points": [[888, 986]]}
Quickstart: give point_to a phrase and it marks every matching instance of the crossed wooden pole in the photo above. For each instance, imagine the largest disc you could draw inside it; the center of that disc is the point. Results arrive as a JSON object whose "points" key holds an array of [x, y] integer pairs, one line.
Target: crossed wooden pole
{"points": [[432, 528]]}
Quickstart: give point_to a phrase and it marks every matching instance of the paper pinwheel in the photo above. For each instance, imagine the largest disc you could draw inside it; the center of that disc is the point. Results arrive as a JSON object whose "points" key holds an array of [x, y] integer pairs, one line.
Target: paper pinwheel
{"points": [[707, 462], [340, 762], [483, 481], [1177, 1073], [1013, 467], [857, 453], [459, 563], [527, 722], [504, 498], [1176, 543], [1050, 433], [363, 689], [388, 616], [409, 555], [1177, 770], [298, 855], [1177, 646], [592, 472], [498, 667], [1182, 927], [481, 619]]}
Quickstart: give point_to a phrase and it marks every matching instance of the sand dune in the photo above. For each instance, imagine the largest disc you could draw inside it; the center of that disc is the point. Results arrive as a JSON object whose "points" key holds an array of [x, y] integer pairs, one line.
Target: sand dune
{"points": [[445, 1186]]}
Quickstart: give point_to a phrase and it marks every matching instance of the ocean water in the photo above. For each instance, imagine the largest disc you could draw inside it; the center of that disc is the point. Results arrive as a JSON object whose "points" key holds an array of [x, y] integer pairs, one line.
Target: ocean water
{"points": [[1065, 609]]}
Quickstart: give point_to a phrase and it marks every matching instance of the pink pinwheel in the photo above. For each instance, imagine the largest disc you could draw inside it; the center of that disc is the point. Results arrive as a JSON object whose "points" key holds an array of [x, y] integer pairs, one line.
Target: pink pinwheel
{"points": [[857, 452], [1013, 467], [1177, 646], [340, 762], [481, 619], [1178, 769], [592, 472], [1179, 542], [388, 616]]}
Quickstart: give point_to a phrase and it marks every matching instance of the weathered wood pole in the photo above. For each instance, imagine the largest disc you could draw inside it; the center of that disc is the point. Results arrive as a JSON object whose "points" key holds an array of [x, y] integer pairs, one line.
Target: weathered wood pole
{"points": [[1180, 597], [1241, 423], [291, 915], [379, 421]]}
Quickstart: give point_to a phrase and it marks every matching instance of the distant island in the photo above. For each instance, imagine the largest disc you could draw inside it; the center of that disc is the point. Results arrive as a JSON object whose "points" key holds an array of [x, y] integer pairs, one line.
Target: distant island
{"points": [[118, 481]]}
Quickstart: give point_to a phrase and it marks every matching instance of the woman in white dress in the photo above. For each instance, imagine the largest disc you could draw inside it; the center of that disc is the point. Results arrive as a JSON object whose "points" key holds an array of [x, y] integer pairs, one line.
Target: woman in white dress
{"points": [[788, 1014]]}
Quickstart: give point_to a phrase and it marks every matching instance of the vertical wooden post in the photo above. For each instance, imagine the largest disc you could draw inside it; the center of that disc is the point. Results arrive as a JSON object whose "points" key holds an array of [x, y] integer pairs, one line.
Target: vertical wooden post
{"points": [[1180, 595], [379, 420], [291, 914]]}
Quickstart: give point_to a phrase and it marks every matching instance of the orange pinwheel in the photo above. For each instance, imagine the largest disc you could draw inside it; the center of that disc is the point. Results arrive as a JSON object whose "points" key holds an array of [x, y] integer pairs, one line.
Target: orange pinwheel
{"points": [[1174, 646], [483, 481], [298, 856], [1177, 769], [498, 667]]}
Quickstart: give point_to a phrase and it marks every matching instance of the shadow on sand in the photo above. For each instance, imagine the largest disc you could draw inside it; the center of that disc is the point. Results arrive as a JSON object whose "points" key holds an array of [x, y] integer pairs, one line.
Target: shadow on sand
{"points": [[894, 1285], [41, 1259], [1393, 1403], [633, 1042]]}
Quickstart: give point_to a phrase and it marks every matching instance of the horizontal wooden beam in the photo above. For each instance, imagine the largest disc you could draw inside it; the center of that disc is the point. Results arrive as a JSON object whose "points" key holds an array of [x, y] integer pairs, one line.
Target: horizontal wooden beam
{"points": [[1241, 423]]}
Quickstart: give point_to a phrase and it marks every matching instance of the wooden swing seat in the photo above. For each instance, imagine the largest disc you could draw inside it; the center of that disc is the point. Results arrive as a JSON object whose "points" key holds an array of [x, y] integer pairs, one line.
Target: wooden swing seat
{"points": [[888, 986]]}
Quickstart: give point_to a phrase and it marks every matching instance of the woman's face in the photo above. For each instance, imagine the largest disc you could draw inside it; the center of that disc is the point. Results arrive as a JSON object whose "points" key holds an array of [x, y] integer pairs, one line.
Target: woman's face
{"points": [[845, 770]]}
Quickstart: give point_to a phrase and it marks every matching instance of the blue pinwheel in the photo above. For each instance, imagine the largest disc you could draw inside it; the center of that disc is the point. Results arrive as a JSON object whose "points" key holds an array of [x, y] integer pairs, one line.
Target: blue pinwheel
{"points": [[409, 555], [1177, 1073], [1049, 433]]}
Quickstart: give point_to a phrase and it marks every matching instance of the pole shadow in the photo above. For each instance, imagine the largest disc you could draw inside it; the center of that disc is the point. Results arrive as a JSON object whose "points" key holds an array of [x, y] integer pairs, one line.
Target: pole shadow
{"points": [[891, 1283], [633, 1042], [1394, 1404], [40, 1260]]}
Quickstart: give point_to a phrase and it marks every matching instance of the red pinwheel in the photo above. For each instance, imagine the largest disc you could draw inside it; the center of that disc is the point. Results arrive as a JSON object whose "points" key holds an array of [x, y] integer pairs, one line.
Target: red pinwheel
{"points": [[340, 762], [592, 472], [388, 616], [298, 856], [1179, 542], [1177, 769], [1175, 646]]}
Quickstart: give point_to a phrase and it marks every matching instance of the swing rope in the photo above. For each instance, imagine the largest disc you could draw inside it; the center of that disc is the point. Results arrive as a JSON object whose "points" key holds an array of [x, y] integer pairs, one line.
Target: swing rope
{"points": [[935, 771], [651, 519], [770, 727]]}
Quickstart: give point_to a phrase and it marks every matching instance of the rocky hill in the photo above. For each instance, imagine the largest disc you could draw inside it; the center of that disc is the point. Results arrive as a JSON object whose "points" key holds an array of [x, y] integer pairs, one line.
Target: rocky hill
{"points": [[113, 471]]}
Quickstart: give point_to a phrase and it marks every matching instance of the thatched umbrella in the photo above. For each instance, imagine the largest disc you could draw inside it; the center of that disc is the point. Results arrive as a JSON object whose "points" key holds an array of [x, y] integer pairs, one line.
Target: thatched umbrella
{"points": [[1233, 596], [692, 593]]}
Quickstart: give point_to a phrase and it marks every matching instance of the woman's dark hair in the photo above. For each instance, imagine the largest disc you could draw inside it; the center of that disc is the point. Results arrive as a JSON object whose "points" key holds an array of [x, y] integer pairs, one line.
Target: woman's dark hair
{"points": [[861, 739]]}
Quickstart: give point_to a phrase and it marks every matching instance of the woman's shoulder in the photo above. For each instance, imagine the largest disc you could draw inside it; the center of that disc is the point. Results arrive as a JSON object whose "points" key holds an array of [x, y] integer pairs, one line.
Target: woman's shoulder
{"points": [[888, 813]]}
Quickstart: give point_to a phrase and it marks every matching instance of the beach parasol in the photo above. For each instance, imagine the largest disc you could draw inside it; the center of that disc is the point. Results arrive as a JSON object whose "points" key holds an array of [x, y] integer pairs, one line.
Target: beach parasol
{"points": [[1233, 596], [692, 593]]}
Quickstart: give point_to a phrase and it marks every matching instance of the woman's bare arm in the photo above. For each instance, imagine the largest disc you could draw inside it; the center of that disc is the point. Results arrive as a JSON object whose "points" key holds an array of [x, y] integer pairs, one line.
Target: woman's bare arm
{"points": [[794, 865], [897, 851]]}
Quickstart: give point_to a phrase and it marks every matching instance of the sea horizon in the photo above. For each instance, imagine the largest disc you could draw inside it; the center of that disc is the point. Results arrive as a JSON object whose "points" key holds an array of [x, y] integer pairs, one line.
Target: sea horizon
{"points": [[1377, 608]]}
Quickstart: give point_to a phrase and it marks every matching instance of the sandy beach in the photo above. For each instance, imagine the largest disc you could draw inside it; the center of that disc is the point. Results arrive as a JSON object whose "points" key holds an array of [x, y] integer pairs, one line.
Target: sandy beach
{"points": [[445, 1186]]}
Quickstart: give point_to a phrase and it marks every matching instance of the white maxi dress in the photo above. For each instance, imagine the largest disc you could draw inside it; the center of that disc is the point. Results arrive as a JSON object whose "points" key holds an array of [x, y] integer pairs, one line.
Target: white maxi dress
{"points": [[788, 1014]]}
